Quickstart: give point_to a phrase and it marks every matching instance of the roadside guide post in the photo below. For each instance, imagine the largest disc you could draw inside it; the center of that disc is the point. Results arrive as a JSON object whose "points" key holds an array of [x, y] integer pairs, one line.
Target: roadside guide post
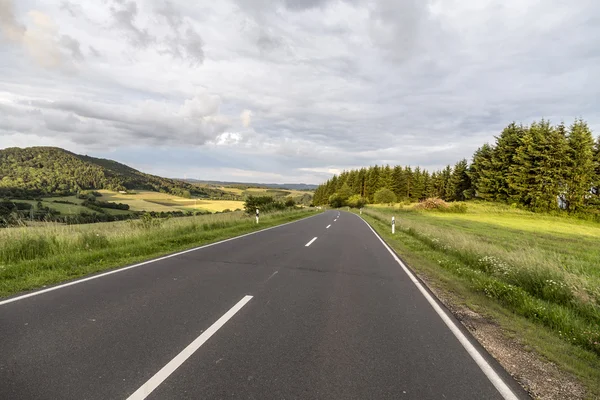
{"points": [[257, 215], [393, 225], [361, 211]]}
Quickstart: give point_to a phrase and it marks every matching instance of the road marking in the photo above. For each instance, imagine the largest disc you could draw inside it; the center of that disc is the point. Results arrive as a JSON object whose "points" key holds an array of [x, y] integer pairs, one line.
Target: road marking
{"points": [[272, 275], [485, 367], [328, 226], [311, 242], [114, 271], [158, 378], [335, 220]]}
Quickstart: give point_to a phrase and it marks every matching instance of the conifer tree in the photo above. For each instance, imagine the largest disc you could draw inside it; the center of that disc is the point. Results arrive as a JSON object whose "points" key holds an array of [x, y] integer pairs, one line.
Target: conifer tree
{"points": [[580, 172], [459, 182], [481, 173]]}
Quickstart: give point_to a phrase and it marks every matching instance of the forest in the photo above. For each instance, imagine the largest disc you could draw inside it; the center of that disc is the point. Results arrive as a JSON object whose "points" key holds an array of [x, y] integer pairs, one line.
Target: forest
{"points": [[49, 171], [542, 167]]}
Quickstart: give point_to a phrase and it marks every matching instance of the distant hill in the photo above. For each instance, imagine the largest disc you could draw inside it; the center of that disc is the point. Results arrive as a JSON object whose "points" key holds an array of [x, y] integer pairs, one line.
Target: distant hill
{"points": [[43, 171], [243, 185]]}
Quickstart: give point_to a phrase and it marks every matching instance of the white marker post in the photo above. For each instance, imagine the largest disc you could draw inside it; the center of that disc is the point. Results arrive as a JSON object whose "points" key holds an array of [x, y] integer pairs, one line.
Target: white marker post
{"points": [[361, 211], [393, 225], [257, 215]]}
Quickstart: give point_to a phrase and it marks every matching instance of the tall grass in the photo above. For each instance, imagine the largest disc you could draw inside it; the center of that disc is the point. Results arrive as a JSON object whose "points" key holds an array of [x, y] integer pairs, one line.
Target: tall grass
{"points": [[552, 278], [31, 257]]}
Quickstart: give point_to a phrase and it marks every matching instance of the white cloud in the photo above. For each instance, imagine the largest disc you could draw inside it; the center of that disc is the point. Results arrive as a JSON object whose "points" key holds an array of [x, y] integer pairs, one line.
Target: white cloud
{"points": [[293, 88]]}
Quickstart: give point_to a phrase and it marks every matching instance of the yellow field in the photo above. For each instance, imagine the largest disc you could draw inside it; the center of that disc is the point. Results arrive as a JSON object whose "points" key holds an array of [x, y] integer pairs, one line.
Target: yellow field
{"points": [[154, 201], [233, 190], [211, 205]]}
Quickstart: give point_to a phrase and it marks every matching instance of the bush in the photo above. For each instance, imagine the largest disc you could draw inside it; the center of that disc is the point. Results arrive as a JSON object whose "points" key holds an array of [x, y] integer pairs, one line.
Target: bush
{"points": [[336, 200], [356, 201], [384, 196], [289, 202], [263, 203]]}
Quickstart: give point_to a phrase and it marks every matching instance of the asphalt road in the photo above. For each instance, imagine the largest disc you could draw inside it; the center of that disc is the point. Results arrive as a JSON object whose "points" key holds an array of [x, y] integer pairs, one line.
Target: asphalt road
{"points": [[337, 319]]}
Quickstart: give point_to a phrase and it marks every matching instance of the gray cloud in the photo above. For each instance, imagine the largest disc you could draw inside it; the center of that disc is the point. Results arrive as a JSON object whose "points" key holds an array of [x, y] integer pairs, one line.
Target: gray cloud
{"points": [[185, 42], [124, 20], [71, 8], [329, 84], [94, 52], [10, 28], [73, 46]]}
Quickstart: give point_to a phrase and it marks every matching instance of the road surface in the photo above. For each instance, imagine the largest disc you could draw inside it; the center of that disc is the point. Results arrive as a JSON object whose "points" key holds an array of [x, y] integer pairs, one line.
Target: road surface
{"points": [[315, 309]]}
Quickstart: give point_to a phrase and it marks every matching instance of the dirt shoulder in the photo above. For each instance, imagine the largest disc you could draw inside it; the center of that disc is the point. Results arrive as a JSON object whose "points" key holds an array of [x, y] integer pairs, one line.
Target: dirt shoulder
{"points": [[541, 378]]}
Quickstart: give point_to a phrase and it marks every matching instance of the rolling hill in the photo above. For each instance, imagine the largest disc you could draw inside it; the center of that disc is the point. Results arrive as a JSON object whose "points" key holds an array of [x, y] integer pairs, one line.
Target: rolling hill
{"points": [[245, 185], [46, 171]]}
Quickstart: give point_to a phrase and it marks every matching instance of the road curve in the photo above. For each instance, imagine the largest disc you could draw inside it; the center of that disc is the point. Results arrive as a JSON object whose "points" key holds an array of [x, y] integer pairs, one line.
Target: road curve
{"points": [[316, 309]]}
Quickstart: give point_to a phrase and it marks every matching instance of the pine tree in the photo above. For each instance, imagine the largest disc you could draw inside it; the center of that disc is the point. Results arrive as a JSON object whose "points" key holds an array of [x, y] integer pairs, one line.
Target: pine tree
{"points": [[418, 190], [372, 184], [482, 174], [429, 185], [503, 159], [398, 182], [580, 172], [385, 178], [445, 183], [537, 174], [459, 182]]}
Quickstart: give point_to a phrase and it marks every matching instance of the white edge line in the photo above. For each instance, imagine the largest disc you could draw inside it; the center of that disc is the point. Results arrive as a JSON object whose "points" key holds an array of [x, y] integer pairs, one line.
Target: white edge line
{"points": [[311, 242], [114, 271], [485, 367], [328, 226], [158, 378]]}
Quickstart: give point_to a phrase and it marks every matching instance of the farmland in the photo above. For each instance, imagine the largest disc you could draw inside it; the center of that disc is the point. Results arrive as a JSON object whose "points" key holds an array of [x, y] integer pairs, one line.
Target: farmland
{"points": [[164, 202]]}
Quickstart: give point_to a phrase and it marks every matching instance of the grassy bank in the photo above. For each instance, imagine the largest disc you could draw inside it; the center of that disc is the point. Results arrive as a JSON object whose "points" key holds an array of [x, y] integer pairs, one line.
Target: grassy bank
{"points": [[36, 256], [539, 276]]}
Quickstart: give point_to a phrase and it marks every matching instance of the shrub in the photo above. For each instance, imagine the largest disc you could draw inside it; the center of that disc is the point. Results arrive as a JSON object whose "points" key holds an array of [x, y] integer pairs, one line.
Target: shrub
{"points": [[356, 201], [384, 196], [336, 200], [263, 203]]}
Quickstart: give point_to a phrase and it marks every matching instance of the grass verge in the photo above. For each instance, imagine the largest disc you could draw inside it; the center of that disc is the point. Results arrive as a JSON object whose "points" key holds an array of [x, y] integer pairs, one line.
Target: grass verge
{"points": [[541, 285], [34, 257]]}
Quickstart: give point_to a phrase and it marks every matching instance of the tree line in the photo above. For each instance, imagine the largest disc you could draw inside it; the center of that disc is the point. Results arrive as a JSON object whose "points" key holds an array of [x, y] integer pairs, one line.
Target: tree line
{"points": [[540, 166]]}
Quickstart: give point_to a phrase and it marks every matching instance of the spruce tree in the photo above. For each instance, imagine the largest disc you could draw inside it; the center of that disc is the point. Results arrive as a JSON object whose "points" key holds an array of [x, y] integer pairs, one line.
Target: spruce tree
{"points": [[581, 168], [399, 182], [504, 153], [418, 190], [482, 174], [459, 182], [537, 175]]}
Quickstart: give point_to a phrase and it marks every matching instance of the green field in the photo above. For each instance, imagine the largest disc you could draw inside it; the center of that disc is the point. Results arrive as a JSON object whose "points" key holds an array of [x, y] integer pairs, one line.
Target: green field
{"points": [[31, 257], [541, 268]]}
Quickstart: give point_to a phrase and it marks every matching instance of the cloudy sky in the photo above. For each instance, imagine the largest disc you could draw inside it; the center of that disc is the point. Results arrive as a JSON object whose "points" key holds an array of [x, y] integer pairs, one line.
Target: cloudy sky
{"points": [[290, 90]]}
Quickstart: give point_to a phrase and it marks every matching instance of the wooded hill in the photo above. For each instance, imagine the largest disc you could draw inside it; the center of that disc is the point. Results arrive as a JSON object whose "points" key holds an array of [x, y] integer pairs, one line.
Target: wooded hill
{"points": [[541, 167], [45, 171]]}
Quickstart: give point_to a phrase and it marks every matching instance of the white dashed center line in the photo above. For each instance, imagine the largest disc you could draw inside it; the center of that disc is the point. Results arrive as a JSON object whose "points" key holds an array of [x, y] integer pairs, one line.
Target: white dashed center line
{"points": [[311, 242]]}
